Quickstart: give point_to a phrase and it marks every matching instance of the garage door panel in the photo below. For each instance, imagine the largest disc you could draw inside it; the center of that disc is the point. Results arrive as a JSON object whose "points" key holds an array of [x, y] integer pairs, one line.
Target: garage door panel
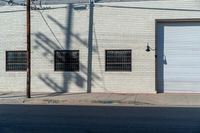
{"points": [[175, 87], [178, 57], [183, 78]]}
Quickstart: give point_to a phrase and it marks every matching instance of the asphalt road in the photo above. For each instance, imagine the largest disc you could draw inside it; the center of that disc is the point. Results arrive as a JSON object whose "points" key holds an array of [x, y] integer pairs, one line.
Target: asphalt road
{"points": [[97, 119]]}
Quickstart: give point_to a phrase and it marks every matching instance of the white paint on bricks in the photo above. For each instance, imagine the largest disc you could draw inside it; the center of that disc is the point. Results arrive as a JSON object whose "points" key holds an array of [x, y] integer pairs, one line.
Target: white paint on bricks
{"points": [[115, 28]]}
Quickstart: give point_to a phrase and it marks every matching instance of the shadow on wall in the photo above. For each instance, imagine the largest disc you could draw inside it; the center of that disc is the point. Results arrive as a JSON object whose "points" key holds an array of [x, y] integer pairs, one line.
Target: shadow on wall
{"points": [[48, 45]]}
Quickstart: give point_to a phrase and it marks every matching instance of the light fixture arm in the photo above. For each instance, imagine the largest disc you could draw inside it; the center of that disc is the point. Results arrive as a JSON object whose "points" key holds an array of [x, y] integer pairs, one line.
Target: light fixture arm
{"points": [[148, 49]]}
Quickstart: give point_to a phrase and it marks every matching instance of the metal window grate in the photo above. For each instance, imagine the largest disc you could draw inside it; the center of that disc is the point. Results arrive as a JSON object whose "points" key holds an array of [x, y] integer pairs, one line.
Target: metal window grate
{"points": [[16, 60], [67, 60], [118, 60]]}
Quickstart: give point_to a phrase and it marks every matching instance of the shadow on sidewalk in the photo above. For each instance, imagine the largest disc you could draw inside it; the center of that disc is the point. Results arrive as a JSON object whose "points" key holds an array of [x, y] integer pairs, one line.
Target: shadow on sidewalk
{"points": [[36, 95]]}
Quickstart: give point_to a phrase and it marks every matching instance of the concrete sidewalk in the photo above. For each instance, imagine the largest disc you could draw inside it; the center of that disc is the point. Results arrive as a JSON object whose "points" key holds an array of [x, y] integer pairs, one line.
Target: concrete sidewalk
{"points": [[102, 99]]}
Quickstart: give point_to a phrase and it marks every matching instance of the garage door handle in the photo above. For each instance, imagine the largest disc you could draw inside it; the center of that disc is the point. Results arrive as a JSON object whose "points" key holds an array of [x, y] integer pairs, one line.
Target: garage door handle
{"points": [[165, 60]]}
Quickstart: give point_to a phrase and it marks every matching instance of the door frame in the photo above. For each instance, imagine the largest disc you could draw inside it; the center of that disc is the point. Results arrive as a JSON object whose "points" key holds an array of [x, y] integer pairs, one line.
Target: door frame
{"points": [[158, 21]]}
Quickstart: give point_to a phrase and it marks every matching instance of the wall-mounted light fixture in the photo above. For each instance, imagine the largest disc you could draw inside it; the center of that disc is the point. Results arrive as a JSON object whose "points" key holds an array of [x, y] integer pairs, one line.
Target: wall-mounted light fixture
{"points": [[148, 49], [10, 2]]}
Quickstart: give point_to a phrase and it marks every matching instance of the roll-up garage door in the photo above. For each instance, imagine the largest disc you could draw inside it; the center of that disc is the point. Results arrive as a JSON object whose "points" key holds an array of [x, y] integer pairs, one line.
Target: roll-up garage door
{"points": [[178, 57]]}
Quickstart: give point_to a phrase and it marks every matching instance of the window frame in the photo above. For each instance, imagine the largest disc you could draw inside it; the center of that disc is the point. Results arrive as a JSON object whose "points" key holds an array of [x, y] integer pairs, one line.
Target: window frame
{"points": [[6, 58], [56, 70], [106, 70]]}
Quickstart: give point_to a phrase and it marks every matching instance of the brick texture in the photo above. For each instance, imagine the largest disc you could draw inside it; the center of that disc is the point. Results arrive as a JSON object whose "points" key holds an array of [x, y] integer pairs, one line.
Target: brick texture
{"points": [[120, 25]]}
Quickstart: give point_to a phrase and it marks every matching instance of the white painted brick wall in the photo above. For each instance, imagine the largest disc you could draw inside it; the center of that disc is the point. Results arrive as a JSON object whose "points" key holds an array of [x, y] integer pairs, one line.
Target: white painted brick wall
{"points": [[133, 28], [12, 37], [44, 43], [115, 28]]}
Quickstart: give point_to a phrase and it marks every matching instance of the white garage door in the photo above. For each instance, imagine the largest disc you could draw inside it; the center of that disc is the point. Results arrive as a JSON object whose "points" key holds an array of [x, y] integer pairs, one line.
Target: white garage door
{"points": [[178, 57]]}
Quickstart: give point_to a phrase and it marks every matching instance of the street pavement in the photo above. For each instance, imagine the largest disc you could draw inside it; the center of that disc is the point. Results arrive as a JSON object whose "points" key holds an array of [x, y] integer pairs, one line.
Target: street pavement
{"points": [[98, 119]]}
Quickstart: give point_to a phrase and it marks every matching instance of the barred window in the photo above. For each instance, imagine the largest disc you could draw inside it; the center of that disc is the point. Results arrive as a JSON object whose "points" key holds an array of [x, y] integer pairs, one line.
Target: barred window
{"points": [[118, 60], [66, 60], [16, 60]]}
